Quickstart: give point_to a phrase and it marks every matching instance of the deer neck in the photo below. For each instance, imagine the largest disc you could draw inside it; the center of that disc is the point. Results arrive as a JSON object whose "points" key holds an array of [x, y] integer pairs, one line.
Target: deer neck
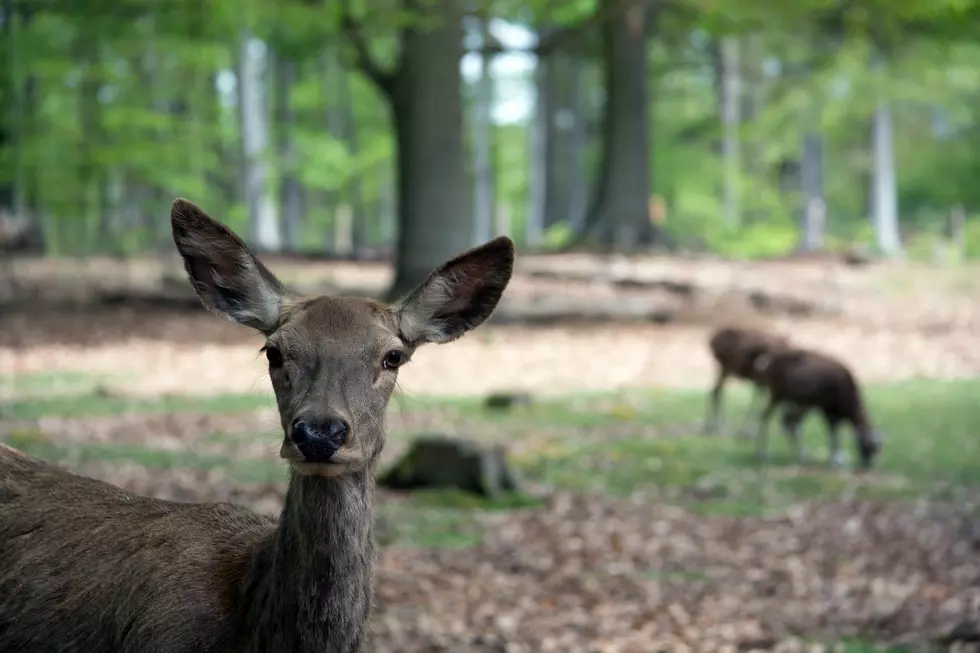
{"points": [[312, 587]]}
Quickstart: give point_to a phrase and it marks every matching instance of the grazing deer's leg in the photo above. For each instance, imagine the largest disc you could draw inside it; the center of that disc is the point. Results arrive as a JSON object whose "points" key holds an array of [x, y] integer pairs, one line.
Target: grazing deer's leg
{"points": [[758, 393], [792, 420], [711, 423], [762, 434], [838, 458]]}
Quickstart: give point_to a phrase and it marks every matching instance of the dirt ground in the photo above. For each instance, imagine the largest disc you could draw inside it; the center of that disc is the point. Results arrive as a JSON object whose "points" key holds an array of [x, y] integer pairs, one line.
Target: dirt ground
{"points": [[888, 321], [584, 573]]}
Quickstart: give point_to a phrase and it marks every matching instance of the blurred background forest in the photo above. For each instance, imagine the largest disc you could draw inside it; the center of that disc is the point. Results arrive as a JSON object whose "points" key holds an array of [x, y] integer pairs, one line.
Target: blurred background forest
{"points": [[329, 127], [664, 166]]}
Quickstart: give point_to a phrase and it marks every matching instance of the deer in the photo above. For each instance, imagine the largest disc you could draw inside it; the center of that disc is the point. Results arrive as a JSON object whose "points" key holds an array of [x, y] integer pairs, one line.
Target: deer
{"points": [[736, 350], [800, 380], [87, 567]]}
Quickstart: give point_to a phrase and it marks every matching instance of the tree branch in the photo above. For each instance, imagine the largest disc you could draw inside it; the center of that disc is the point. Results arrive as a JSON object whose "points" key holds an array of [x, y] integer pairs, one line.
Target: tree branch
{"points": [[383, 79], [563, 36], [560, 37]]}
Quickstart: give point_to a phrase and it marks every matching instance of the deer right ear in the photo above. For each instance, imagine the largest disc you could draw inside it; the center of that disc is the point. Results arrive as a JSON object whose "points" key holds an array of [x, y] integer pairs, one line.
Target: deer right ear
{"points": [[459, 295], [225, 274]]}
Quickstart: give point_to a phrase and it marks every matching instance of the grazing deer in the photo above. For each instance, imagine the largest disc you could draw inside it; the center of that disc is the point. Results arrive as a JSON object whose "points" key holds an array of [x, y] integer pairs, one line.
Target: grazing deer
{"points": [[86, 567], [736, 350], [801, 380]]}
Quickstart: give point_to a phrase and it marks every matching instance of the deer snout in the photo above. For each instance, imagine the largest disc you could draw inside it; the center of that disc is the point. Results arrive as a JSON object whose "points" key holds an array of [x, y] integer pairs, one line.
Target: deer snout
{"points": [[318, 440], [868, 448]]}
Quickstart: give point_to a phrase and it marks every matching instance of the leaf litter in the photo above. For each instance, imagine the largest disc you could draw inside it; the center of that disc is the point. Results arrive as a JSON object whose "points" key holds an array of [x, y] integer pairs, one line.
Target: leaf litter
{"points": [[588, 572]]}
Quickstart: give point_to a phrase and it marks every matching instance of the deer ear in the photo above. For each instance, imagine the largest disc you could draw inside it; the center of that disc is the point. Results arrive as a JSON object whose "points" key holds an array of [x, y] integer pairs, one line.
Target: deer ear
{"points": [[459, 295], [226, 276]]}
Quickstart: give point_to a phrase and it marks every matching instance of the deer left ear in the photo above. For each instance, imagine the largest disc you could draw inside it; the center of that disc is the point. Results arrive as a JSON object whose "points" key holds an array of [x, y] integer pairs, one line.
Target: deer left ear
{"points": [[226, 276], [459, 295]]}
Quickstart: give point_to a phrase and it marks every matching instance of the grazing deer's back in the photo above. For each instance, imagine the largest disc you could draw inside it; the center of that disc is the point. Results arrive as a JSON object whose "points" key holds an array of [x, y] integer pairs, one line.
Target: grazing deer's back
{"points": [[816, 379], [149, 570], [736, 349]]}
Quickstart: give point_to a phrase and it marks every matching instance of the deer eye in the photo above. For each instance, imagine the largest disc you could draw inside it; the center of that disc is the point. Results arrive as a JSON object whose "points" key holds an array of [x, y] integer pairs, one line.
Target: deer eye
{"points": [[394, 359], [274, 356]]}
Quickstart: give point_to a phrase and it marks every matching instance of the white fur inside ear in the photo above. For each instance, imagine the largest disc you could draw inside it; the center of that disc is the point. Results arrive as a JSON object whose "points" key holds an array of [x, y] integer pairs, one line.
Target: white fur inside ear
{"points": [[263, 303], [244, 295], [443, 294]]}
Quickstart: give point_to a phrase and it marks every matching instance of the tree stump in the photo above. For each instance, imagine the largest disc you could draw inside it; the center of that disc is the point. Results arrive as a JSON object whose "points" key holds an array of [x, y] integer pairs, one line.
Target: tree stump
{"points": [[507, 400], [442, 462]]}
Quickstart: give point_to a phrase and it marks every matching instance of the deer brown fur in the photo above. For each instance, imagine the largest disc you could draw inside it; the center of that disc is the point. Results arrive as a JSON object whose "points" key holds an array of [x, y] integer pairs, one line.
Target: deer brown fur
{"points": [[86, 567], [736, 350], [801, 380]]}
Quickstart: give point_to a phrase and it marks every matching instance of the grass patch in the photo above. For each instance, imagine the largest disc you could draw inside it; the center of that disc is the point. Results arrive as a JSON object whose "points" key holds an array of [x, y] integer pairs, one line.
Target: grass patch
{"points": [[96, 404], [856, 645], [49, 383], [640, 440], [244, 470], [616, 443]]}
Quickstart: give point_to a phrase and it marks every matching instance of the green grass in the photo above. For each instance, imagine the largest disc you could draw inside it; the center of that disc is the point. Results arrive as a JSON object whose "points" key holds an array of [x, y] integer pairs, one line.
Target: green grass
{"points": [[96, 404], [614, 443], [863, 646], [46, 383]]}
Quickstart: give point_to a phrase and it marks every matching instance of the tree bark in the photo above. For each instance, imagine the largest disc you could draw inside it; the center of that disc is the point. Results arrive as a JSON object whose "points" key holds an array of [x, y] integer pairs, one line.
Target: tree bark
{"points": [[730, 118], [253, 113], [290, 188], [534, 223], [885, 189], [347, 124], [564, 198], [423, 93], [434, 222], [483, 143], [621, 218], [813, 212]]}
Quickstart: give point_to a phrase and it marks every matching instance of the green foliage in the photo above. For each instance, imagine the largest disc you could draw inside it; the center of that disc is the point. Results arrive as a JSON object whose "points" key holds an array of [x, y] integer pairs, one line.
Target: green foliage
{"points": [[128, 112], [558, 235], [759, 239]]}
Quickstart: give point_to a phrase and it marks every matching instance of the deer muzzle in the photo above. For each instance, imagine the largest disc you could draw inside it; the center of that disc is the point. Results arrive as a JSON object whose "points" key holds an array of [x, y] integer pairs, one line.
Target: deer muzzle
{"points": [[319, 440]]}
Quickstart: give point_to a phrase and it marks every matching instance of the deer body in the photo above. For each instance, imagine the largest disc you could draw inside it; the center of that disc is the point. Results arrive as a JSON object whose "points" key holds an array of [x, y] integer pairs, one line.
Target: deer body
{"points": [[86, 567], [736, 350], [801, 380]]}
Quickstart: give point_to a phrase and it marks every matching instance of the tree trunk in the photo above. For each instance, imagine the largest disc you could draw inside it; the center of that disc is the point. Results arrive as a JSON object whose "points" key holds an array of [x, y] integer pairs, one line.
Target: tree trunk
{"points": [[483, 144], [290, 188], [433, 197], [730, 118], [564, 139], [10, 116], [534, 222], [813, 213], [263, 221], [578, 140], [347, 125], [884, 183], [622, 217]]}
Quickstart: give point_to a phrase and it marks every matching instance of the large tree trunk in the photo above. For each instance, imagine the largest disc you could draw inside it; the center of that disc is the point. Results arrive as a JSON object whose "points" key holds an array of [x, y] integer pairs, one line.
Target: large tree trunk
{"points": [[433, 192], [621, 217], [290, 188], [253, 112]]}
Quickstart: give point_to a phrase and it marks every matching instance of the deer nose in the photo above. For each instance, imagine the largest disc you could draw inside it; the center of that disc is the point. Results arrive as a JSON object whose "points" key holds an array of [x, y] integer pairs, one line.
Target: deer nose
{"points": [[318, 440]]}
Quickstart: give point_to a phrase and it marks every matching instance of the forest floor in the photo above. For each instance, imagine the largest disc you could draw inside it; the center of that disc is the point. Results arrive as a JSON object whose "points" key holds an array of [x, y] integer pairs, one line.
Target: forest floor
{"points": [[633, 533]]}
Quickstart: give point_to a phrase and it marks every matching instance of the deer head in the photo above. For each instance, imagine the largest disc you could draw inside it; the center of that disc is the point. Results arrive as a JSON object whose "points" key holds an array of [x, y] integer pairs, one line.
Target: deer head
{"points": [[333, 361]]}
